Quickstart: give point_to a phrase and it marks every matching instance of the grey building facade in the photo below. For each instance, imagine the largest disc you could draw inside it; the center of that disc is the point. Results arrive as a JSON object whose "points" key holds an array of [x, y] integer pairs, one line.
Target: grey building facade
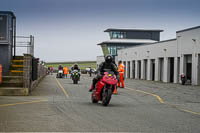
{"points": [[165, 60], [7, 39]]}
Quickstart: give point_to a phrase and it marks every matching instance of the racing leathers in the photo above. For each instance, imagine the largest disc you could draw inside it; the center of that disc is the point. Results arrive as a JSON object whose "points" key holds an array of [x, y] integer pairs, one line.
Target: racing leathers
{"points": [[104, 67]]}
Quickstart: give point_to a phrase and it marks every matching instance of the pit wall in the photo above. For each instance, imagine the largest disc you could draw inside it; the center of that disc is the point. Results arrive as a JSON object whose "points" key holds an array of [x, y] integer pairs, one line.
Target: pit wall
{"points": [[30, 81]]}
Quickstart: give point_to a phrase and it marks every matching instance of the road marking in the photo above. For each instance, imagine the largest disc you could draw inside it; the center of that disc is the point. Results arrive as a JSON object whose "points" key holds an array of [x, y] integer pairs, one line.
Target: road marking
{"points": [[162, 102], [64, 91], [20, 103], [184, 110], [158, 97]]}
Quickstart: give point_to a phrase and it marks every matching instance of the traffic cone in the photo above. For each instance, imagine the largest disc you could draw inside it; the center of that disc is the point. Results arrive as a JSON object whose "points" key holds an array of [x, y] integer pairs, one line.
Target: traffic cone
{"points": [[115, 90]]}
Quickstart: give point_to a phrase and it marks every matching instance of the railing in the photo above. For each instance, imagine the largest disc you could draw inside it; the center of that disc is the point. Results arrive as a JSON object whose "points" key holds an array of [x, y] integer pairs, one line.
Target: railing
{"points": [[24, 45]]}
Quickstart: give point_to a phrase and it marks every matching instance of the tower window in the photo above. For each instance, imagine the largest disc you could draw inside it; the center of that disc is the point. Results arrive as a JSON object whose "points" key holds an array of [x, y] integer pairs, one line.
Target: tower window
{"points": [[117, 35]]}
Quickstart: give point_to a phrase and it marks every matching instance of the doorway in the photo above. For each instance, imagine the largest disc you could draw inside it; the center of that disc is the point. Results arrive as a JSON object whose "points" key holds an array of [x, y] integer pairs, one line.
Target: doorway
{"points": [[133, 69], [178, 70], [124, 69], [128, 71], [145, 69], [161, 68], [139, 69], [171, 69], [152, 69], [188, 65]]}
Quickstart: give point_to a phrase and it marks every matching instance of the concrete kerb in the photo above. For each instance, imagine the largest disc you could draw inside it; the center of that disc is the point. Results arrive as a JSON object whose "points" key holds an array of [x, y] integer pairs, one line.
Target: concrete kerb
{"points": [[14, 92], [36, 82]]}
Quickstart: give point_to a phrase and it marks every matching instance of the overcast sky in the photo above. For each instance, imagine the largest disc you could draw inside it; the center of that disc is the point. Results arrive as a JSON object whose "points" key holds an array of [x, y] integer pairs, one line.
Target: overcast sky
{"points": [[69, 30]]}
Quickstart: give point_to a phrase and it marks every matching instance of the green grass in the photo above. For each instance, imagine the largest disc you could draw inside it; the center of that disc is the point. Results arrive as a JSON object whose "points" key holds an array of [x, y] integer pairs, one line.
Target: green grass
{"points": [[82, 65]]}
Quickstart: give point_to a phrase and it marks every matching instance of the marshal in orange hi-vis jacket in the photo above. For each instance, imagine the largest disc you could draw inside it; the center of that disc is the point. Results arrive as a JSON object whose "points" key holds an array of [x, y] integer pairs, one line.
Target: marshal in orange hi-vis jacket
{"points": [[121, 74], [65, 70]]}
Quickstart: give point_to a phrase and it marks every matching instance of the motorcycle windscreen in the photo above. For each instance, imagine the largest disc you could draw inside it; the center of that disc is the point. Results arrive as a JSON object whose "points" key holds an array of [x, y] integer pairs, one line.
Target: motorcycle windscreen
{"points": [[110, 79]]}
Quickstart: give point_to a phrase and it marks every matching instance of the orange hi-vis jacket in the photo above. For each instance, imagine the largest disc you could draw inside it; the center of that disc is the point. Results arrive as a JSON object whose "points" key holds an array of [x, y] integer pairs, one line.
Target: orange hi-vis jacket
{"points": [[121, 68], [65, 70]]}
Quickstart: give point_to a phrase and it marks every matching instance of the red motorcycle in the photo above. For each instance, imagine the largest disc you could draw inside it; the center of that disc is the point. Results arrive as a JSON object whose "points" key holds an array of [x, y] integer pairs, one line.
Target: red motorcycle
{"points": [[104, 88]]}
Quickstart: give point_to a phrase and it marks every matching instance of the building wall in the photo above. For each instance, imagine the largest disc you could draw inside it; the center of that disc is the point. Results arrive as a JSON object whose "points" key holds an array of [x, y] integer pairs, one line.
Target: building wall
{"points": [[6, 45], [168, 59], [5, 57], [150, 51], [189, 44], [100, 59]]}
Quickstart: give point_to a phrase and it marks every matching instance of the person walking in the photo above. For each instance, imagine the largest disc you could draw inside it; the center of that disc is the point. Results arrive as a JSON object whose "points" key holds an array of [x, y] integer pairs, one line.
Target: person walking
{"points": [[121, 74]]}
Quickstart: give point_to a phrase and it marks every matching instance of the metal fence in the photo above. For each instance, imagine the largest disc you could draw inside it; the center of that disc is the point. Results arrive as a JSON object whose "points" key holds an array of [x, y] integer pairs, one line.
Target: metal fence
{"points": [[24, 45]]}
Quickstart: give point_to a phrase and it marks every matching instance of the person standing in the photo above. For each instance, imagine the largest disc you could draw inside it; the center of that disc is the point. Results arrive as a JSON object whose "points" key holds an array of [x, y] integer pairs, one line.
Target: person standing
{"points": [[121, 74], [90, 72], [51, 70], [65, 71]]}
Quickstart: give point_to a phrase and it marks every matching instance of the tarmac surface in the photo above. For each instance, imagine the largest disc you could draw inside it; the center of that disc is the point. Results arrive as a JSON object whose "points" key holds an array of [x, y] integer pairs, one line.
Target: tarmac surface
{"points": [[57, 105]]}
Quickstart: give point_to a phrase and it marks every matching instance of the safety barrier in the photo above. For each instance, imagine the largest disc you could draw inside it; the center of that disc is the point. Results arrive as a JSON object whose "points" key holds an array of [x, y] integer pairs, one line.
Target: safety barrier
{"points": [[0, 73]]}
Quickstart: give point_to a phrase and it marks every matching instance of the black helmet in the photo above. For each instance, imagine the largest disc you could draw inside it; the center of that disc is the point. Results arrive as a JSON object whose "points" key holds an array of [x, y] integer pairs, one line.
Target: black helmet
{"points": [[75, 65], [108, 58]]}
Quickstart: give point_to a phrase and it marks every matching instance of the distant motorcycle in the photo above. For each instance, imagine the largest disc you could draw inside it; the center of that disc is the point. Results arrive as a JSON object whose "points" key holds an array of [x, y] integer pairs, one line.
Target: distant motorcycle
{"points": [[75, 76], [183, 79], [104, 88], [59, 74], [48, 72]]}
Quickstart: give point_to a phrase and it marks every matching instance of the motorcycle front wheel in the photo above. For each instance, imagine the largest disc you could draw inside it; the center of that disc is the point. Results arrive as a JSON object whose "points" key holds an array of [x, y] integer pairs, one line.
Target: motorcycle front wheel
{"points": [[93, 98], [106, 97]]}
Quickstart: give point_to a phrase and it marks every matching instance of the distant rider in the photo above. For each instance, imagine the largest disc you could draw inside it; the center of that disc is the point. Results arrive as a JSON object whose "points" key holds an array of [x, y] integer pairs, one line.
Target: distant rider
{"points": [[75, 67], [106, 66], [60, 67]]}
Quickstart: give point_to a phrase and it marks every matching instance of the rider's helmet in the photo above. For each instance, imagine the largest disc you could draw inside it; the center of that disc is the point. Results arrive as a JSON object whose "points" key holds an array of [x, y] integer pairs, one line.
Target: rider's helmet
{"points": [[108, 59], [75, 65]]}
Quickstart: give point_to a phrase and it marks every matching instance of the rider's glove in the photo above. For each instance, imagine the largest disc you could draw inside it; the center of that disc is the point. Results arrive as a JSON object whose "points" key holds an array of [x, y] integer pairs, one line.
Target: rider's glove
{"points": [[99, 75], [118, 78]]}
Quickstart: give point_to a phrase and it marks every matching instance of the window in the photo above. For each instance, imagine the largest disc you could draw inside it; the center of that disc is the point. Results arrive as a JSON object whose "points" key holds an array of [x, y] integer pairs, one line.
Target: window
{"points": [[3, 27], [112, 50], [117, 35]]}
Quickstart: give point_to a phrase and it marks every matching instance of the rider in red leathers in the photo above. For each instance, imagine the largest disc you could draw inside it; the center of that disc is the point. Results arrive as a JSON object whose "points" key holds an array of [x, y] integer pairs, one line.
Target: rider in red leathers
{"points": [[106, 66]]}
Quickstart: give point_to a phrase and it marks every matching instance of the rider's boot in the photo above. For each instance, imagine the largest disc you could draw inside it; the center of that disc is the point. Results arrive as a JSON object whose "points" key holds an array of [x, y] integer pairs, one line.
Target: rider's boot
{"points": [[91, 88]]}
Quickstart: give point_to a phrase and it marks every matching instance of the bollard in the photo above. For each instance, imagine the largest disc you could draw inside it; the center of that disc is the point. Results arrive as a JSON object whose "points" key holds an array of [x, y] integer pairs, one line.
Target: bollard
{"points": [[0, 73]]}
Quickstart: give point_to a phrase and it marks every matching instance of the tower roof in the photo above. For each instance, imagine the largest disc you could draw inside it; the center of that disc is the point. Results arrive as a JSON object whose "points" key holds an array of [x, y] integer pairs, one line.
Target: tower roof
{"points": [[132, 29]]}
